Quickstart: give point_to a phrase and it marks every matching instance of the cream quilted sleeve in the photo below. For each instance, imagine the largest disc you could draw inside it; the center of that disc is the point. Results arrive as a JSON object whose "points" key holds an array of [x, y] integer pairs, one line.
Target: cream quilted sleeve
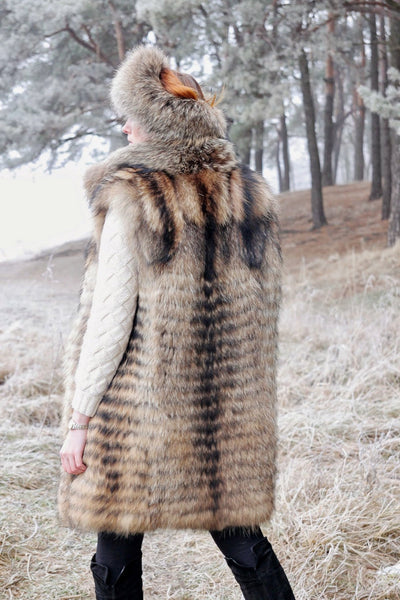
{"points": [[111, 316]]}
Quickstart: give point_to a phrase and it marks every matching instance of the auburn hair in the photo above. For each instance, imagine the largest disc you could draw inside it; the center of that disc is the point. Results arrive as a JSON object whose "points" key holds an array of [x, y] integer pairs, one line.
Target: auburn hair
{"points": [[182, 85]]}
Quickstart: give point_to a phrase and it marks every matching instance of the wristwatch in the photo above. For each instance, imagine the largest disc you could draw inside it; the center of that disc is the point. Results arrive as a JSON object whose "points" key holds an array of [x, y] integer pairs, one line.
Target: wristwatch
{"points": [[74, 425]]}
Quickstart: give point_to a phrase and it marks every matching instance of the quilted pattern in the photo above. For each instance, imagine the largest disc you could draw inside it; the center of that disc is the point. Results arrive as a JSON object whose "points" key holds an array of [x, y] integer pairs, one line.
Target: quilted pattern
{"points": [[111, 317]]}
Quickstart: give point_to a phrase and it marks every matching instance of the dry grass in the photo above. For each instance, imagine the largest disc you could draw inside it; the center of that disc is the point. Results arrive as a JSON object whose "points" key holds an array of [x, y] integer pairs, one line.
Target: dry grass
{"points": [[338, 498], [336, 527]]}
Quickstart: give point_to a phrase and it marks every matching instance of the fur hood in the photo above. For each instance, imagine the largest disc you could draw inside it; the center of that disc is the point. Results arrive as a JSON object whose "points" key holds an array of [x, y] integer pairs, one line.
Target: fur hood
{"points": [[137, 93]]}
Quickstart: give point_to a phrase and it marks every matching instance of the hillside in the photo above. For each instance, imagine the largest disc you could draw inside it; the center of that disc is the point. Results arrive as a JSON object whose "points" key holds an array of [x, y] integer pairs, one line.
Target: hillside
{"points": [[354, 223], [336, 527]]}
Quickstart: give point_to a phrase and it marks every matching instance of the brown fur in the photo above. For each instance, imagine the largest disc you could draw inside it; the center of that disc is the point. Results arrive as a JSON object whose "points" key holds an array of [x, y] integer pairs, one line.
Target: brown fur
{"points": [[185, 435], [137, 93]]}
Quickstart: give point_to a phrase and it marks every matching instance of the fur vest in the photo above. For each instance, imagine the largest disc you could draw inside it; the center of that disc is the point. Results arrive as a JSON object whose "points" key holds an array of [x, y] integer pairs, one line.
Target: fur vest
{"points": [[185, 435]]}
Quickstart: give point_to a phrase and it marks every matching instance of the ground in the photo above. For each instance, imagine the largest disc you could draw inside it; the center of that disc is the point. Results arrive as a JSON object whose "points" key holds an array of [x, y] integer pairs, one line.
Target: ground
{"points": [[336, 528]]}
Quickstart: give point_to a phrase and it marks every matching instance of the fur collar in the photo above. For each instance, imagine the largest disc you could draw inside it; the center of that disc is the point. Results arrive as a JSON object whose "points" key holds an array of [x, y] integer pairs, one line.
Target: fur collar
{"points": [[172, 158]]}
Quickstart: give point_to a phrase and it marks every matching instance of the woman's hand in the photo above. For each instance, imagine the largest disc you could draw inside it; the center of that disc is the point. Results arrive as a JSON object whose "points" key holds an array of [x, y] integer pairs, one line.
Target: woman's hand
{"points": [[72, 450]]}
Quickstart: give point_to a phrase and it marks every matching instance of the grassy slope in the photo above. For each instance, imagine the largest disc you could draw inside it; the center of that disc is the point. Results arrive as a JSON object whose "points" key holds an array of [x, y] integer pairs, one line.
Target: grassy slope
{"points": [[336, 524]]}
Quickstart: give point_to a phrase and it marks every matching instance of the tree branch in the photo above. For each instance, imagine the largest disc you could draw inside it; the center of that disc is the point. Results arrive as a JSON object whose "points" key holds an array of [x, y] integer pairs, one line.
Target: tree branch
{"points": [[77, 39], [373, 6], [95, 46], [76, 136], [47, 35], [238, 35], [92, 46]]}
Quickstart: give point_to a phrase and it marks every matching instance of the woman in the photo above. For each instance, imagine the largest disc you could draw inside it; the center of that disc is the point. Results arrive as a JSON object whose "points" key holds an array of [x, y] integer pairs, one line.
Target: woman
{"points": [[170, 367]]}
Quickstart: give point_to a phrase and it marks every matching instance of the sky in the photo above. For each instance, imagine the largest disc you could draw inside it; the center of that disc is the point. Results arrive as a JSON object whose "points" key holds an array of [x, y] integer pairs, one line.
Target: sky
{"points": [[41, 210]]}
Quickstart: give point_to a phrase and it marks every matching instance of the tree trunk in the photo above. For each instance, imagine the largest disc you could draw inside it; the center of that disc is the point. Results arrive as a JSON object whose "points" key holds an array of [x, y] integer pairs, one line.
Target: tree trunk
{"points": [[386, 168], [244, 145], [317, 205], [329, 128], [385, 128], [376, 185], [119, 33], [278, 163], [359, 109], [285, 154], [394, 221], [284, 178], [339, 126], [259, 145]]}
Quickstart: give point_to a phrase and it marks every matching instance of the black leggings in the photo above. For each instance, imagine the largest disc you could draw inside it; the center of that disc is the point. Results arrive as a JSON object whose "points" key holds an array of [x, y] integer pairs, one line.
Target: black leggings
{"points": [[116, 551]]}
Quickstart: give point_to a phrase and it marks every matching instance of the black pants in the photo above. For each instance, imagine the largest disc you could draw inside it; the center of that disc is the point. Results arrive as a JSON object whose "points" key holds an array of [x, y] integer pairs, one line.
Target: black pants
{"points": [[116, 551]]}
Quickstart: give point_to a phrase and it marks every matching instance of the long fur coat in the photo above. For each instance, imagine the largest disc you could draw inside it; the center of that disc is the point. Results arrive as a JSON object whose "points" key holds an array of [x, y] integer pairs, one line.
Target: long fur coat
{"points": [[185, 435]]}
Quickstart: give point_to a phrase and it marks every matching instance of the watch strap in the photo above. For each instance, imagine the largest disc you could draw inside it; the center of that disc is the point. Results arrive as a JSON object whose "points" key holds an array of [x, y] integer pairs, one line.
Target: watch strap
{"points": [[73, 425]]}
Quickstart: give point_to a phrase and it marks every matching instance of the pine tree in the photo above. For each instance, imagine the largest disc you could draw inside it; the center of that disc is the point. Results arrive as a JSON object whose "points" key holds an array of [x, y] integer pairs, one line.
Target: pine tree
{"points": [[386, 145], [359, 107], [56, 62], [317, 206], [388, 107], [393, 95], [329, 129]]}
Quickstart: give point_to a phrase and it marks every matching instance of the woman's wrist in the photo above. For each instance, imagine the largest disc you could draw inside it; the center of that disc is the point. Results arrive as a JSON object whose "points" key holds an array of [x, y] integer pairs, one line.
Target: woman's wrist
{"points": [[80, 418]]}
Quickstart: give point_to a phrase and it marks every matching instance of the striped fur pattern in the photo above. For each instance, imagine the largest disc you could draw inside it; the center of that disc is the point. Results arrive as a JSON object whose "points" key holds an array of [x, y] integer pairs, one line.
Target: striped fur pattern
{"points": [[185, 435]]}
